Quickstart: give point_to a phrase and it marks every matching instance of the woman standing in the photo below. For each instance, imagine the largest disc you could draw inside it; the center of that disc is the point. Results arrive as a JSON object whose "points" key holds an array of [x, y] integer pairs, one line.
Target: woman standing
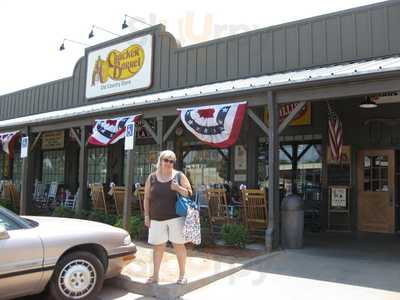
{"points": [[160, 216]]}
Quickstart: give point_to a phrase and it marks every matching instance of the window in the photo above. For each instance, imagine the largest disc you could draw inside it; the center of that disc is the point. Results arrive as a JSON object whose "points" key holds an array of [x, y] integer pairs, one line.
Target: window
{"points": [[53, 166], [376, 173], [145, 162], [97, 164], [206, 167]]}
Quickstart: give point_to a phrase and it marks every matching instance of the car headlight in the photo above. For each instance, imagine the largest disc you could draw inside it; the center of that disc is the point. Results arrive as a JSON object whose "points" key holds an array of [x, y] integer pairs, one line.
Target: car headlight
{"points": [[127, 240]]}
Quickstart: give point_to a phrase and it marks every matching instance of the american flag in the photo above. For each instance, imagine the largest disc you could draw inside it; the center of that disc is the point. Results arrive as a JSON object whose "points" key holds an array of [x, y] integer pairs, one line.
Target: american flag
{"points": [[335, 134]]}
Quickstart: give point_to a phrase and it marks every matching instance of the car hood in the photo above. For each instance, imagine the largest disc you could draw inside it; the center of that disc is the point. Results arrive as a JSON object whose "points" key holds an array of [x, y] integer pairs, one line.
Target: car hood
{"points": [[55, 224], [73, 231]]}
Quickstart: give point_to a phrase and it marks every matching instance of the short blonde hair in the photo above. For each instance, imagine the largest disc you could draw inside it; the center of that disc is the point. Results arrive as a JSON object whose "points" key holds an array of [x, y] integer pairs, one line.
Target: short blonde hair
{"points": [[166, 154]]}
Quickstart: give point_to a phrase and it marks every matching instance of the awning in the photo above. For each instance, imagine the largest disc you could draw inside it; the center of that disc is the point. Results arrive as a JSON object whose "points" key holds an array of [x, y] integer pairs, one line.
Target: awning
{"points": [[273, 80]]}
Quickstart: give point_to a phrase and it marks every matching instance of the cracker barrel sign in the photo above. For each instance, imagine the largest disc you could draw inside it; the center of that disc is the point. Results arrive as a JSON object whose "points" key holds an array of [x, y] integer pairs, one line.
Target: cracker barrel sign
{"points": [[302, 118], [120, 68]]}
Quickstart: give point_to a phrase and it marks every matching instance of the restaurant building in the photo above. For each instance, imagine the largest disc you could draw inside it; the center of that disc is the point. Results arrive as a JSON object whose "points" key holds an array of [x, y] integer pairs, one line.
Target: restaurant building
{"points": [[294, 78]]}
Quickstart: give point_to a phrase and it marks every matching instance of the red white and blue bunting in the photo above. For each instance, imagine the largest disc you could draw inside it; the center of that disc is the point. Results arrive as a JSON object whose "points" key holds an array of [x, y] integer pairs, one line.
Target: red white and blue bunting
{"points": [[7, 142], [109, 131], [216, 125]]}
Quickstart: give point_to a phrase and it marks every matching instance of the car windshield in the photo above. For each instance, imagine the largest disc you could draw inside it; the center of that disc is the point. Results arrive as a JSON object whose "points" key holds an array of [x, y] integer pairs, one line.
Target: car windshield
{"points": [[10, 220]]}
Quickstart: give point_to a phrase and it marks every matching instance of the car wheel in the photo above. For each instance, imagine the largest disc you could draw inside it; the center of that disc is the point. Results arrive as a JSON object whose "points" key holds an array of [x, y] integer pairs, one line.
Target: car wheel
{"points": [[78, 275]]}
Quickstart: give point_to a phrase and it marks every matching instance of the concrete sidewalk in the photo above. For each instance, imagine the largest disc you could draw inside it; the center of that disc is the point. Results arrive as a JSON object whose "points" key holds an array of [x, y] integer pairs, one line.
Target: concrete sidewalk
{"points": [[203, 269], [330, 267]]}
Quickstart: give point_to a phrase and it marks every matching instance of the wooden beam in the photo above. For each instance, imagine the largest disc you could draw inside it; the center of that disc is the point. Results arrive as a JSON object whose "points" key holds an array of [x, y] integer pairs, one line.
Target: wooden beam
{"points": [[160, 131], [23, 204], [75, 135], [150, 130], [273, 233], [82, 175], [37, 138], [171, 128], [291, 116], [129, 183], [258, 121]]}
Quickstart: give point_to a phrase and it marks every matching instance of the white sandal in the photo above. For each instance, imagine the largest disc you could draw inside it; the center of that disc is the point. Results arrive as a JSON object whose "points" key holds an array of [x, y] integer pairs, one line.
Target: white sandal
{"points": [[182, 281]]}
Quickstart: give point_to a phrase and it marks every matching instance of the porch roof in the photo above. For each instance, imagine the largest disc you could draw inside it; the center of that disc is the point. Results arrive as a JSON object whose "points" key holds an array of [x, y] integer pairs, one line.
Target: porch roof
{"points": [[273, 80]]}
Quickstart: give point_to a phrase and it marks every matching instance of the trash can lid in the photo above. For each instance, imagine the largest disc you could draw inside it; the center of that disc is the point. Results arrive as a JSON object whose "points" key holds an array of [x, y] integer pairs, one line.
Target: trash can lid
{"points": [[292, 202]]}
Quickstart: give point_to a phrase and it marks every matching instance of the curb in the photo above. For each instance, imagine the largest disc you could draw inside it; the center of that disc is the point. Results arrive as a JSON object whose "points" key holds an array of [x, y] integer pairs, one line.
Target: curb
{"points": [[173, 291]]}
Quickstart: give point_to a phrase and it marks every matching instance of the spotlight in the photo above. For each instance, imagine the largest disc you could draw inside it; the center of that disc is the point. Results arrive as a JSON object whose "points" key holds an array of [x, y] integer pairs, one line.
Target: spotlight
{"points": [[124, 25], [91, 33]]}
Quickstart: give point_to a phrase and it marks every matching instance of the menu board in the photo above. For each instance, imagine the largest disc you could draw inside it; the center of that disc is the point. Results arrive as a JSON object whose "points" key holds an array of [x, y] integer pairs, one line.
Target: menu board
{"points": [[52, 140]]}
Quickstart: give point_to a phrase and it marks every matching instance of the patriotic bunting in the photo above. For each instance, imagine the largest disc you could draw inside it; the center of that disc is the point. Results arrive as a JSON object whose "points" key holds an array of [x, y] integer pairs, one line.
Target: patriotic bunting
{"points": [[110, 131], [7, 142], [335, 134], [216, 125]]}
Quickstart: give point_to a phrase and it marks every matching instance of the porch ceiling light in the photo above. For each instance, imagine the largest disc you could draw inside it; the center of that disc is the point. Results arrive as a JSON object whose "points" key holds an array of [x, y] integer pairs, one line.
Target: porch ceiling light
{"points": [[368, 103]]}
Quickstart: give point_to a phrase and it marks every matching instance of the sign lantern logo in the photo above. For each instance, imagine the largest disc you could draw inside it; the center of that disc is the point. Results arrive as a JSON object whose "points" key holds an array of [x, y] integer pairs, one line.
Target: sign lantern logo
{"points": [[119, 68], [118, 65]]}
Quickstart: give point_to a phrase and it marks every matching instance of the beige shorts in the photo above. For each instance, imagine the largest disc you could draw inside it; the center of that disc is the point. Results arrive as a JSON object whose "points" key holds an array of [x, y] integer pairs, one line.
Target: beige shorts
{"points": [[169, 230]]}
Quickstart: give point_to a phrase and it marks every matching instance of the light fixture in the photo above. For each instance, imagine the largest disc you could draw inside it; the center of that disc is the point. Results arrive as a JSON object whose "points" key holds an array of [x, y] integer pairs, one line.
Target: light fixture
{"points": [[91, 33], [62, 47], [125, 24], [368, 103]]}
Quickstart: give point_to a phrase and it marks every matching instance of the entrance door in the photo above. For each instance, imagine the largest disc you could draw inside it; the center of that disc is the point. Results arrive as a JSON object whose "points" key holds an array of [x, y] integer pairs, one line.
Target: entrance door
{"points": [[376, 190]]}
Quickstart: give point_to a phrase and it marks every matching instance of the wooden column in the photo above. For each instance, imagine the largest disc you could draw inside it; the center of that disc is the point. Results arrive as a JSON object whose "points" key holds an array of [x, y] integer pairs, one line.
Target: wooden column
{"points": [[25, 178], [272, 233], [129, 183], [160, 130], [82, 171]]}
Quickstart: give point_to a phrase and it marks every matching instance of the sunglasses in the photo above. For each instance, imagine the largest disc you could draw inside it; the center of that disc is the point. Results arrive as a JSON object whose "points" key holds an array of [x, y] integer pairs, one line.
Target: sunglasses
{"points": [[168, 161]]}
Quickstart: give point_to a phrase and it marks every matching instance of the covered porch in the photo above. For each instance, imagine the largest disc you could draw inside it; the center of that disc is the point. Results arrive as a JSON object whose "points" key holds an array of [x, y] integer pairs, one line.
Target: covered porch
{"points": [[334, 83]]}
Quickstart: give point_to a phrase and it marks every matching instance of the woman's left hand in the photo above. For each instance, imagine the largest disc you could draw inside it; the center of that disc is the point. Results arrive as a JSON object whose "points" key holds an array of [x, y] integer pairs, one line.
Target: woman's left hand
{"points": [[175, 186]]}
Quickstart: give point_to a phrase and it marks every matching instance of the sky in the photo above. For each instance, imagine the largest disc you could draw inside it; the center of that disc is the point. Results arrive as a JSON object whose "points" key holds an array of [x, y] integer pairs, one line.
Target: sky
{"points": [[32, 31]]}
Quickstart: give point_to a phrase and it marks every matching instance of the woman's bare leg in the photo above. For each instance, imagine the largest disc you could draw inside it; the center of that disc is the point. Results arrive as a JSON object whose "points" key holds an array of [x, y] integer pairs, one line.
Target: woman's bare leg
{"points": [[180, 250], [158, 252]]}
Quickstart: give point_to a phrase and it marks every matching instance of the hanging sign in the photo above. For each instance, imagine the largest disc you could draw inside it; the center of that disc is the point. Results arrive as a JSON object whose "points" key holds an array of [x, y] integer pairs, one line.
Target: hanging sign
{"points": [[303, 117], [24, 146], [7, 142], [338, 197], [123, 67], [52, 140], [129, 135], [240, 157], [110, 131], [216, 125]]}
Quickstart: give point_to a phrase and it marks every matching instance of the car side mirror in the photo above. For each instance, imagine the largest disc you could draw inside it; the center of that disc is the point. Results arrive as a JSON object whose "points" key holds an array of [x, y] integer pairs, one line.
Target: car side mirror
{"points": [[3, 233]]}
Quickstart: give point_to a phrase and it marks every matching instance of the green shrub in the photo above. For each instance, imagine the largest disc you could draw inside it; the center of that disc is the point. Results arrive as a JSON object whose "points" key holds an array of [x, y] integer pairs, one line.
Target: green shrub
{"points": [[136, 224], [82, 214], [234, 235], [206, 236], [8, 204], [63, 212]]}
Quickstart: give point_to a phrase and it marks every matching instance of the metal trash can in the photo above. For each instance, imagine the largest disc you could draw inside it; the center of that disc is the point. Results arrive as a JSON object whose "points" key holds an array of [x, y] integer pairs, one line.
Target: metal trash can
{"points": [[292, 209]]}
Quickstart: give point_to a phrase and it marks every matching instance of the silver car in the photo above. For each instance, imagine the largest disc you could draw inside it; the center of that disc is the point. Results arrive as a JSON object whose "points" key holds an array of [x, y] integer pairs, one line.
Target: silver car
{"points": [[69, 257]]}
